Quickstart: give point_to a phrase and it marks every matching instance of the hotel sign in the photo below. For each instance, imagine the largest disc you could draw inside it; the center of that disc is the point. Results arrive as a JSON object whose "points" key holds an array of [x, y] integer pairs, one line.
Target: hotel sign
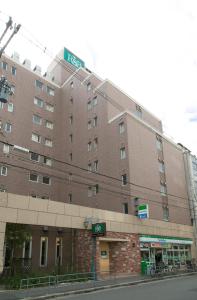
{"points": [[73, 59], [99, 229]]}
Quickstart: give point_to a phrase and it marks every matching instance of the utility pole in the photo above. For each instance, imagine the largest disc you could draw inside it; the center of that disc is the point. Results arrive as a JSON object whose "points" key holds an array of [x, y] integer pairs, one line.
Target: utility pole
{"points": [[5, 87]]}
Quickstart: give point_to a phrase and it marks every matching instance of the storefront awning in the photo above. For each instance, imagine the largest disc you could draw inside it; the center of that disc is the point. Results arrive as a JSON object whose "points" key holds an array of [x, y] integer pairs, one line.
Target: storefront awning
{"points": [[165, 240]]}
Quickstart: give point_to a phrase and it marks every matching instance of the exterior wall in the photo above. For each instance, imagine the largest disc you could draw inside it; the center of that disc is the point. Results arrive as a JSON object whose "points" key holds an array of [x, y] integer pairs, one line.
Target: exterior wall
{"points": [[2, 236]]}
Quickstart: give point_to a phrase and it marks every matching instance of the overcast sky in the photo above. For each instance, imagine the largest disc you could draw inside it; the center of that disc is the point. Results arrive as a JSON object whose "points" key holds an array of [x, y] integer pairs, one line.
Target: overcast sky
{"points": [[146, 47]]}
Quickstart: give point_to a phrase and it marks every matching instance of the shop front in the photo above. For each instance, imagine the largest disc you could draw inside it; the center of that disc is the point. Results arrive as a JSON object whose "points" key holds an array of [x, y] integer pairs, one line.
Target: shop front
{"points": [[169, 251]]}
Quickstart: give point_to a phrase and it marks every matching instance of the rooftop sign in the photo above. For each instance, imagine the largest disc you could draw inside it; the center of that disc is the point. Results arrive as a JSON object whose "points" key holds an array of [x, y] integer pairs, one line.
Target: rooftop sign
{"points": [[73, 59]]}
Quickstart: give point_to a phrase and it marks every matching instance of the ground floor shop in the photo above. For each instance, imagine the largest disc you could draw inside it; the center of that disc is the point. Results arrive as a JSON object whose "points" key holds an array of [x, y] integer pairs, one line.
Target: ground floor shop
{"points": [[169, 251]]}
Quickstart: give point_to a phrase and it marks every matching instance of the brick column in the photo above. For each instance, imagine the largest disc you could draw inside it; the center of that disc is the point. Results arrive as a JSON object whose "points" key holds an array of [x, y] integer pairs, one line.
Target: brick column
{"points": [[2, 237]]}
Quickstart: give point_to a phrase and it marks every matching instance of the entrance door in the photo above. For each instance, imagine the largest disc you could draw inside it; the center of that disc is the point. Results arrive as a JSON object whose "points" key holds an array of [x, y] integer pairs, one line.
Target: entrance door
{"points": [[104, 257]]}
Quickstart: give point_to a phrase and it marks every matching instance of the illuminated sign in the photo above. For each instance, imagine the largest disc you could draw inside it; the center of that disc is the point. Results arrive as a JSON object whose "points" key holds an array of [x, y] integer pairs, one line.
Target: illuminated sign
{"points": [[73, 59]]}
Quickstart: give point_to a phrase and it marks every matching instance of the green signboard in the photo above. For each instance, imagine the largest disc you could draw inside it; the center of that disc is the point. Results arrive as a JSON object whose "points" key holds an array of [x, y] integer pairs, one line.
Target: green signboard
{"points": [[73, 59], [143, 211], [99, 229]]}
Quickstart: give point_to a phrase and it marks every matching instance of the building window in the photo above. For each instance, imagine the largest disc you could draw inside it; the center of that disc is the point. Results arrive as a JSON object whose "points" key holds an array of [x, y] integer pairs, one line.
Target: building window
{"points": [[27, 251], [71, 156], [95, 166], [13, 70], [43, 251], [47, 161], [49, 124], [165, 213], [34, 156], [94, 101], [159, 142], [89, 124], [95, 143], [71, 100], [58, 251], [95, 189], [136, 204], [125, 208], [124, 179], [89, 105], [138, 111], [50, 91], [4, 65], [89, 167], [72, 84], [89, 146], [49, 107], [46, 180], [122, 153], [71, 138], [10, 107], [38, 102], [36, 138], [121, 127], [39, 84], [37, 120], [89, 86], [163, 189], [70, 198], [161, 167], [89, 191], [33, 177], [12, 88], [6, 148], [4, 171], [71, 120], [48, 142], [8, 127], [95, 122]]}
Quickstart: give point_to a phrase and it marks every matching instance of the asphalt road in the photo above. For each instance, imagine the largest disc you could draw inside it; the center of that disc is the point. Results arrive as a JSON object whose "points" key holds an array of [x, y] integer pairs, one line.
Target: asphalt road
{"points": [[171, 289]]}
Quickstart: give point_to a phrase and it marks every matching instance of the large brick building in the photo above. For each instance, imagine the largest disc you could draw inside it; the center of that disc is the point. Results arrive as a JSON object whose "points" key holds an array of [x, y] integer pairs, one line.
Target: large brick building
{"points": [[73, 144]]}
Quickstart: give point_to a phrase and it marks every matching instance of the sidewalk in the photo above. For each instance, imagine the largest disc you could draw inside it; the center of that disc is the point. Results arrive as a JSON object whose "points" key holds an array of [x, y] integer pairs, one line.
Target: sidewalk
{"points": [[50, 292]]}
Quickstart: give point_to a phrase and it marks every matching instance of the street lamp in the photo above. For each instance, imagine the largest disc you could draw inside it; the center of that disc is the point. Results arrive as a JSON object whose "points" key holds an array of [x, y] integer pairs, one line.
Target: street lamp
{"points": [[5, 90]]}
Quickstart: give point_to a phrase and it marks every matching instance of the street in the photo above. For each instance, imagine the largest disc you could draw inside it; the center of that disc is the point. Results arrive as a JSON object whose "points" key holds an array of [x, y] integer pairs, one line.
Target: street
{"points": [[170, 289]]}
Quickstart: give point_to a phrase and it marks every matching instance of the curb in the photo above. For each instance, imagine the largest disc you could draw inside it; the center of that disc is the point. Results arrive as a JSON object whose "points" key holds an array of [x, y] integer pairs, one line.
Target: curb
{"points": [[105, 287]]}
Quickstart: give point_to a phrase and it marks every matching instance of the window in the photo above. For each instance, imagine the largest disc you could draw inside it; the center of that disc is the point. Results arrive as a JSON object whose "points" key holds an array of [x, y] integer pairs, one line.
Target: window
{"points": [[43, 251], [70, 197], [136, 204], [89, 191], [70, 177], [95, 166], [89, 124], [71, 120], [89, 167], [71, 156], [89, 86], [159, 142], [95, 143], [8, 127], [37, 120], [94, 124], [95, 189], [50, 91], [12, 88], [125, 208], [13, 70], [27, 251], [121, 127], [138, 111], [39, 84], [10, 107], [94, 101], [4, 171], [36, 138], [163, 189], [49, 107], [46, 180], [4, 65], [47, 161], [71, 138], [49, 124], [165, 213], [72, 84], [33, 177], [71, 100], [6, 148], [161, 167], [122, 153], [58, 251], [89, 105], [38, 102], [48, 142], [34, 156], [124, 179], [89, 146]]}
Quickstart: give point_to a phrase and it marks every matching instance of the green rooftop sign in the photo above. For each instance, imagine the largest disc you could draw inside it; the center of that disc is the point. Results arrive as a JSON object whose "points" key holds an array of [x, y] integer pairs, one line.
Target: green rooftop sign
{"points": [[73, 59]]}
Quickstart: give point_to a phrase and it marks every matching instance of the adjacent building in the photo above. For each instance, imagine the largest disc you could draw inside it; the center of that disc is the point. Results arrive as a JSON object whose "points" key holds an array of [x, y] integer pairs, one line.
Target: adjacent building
{"points": [[72, 140]]}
